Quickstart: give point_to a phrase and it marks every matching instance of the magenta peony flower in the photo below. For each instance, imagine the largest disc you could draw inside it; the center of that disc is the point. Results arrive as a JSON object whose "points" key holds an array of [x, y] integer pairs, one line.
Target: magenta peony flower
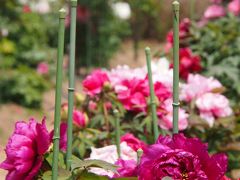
{"points": [[213, 105], [25, 150], [181, 158], [94, 82], [161, 91], [214, 11], [234, 7], [127, 168], [80, 119], [42, 68], [133, 94], [133, 142], [63, 136]]}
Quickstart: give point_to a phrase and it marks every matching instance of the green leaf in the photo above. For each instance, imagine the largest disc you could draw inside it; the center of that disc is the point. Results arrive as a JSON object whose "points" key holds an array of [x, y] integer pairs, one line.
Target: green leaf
{"points": [[62, 175], [90, 176], [79, 164]]}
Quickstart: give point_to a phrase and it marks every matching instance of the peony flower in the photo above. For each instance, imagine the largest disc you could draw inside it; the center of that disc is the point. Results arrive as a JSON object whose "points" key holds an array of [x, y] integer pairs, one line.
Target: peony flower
{"points": [[133, 142], [161, 91], [93, 83], [25, 150], [42, 68], [234, 7], [184, 30], [214, 11], [213, 105], [133, 94], [26, 9], [82, 13], [63, 136], [127, 168], [181, 158], [109, 154], [122, 10], [92, 105], [166, 116], [189, 63], [42, 7], [198, 85], [80, 119]]}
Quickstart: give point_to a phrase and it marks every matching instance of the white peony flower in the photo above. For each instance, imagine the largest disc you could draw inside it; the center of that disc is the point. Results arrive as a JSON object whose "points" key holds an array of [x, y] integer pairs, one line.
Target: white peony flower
{"points": [[122, 10]]}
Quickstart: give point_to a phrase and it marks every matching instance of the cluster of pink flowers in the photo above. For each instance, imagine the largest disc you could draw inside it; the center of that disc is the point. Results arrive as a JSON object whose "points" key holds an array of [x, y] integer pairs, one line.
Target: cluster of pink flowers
{"points": [[42, 68], [216, 10], [210, 104], [132, 90]]}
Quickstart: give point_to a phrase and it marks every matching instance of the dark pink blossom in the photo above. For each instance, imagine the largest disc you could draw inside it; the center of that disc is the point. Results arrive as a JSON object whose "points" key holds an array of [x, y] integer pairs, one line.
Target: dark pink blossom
{"points": [[127, 168], [25, 150], [214, 11], [133, 142], [180, 157], [93, 83], [82, 13], [189, 63], [133, 94], [42, 68], [234, 7], [161, 91], [80, 119], [63, 137]]}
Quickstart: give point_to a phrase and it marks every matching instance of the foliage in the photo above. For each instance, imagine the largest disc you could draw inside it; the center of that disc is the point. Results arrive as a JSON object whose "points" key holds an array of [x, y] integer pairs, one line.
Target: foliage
{"points": [[25, 41], [23, 86], [218, 45]]}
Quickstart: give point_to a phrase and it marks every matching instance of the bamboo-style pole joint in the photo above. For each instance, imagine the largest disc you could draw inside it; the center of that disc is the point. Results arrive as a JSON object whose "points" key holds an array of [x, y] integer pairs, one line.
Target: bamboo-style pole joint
{"points": [[152, 94], [176, 8], [58, 93], [71, 72]]}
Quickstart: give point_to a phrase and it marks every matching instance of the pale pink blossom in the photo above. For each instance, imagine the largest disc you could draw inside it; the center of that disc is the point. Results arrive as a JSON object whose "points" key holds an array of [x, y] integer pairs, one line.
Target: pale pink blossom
{"points": [[214, 11], [109, 154], [213, 106], [234, 7], [42, 68], [196, 86], [166, 117]]}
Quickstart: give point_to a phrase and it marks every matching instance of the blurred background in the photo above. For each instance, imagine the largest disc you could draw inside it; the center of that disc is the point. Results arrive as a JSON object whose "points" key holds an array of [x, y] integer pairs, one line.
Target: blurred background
{"points": [[109, 33]]}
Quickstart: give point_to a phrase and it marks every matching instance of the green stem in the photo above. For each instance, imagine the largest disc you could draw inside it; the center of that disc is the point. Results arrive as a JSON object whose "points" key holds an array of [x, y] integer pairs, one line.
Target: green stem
{"points": [[152, 94], [71, 81], [176, 7], [58, 93]]}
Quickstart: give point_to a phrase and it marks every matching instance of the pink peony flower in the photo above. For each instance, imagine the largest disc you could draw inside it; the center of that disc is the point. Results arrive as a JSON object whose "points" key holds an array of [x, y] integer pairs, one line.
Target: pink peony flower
{"points": [[92, 105], [189, 63], [42, 68], [127, 168], [133, 142], [26, 9], [133, 94], [63, 136], [25, 150], [80, 119], [161, 91], [166, 117], [181, 158], [214, 11], [109, 154], [184, 30], [198, 85], [234, 7], [213, 105], [93, 84]]}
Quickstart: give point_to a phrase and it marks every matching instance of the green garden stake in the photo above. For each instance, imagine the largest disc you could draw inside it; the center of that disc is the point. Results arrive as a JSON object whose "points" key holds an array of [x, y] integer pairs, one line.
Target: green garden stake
{"points": [[192, 9], [58, 94], [71, 81], [176, 7], [117, 130], [152, 94]]}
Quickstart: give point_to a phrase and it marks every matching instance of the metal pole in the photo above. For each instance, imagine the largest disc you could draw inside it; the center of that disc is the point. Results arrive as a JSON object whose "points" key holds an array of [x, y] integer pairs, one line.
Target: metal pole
{"points": [[71, 80], [176, 7], [58, 94]]}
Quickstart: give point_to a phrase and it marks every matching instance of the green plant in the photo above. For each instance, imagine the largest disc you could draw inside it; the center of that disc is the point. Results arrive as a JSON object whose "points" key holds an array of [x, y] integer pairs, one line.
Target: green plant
{"points": [[23, 86], [218, 44]]}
